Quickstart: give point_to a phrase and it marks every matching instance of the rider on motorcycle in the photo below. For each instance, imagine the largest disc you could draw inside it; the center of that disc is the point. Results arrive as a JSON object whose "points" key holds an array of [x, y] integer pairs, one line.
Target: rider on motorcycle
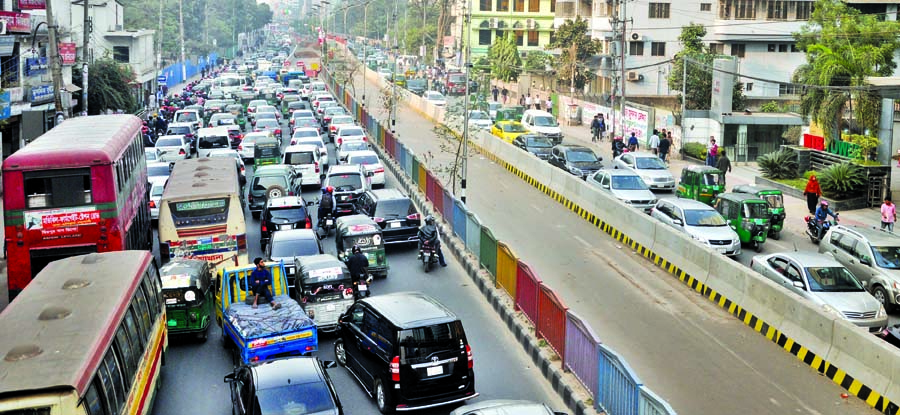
{"points": [[822, 213], [326, 205], [429, 233]]}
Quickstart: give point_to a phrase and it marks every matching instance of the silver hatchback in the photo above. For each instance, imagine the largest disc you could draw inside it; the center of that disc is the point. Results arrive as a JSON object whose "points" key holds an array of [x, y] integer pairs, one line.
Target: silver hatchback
{"points": [[649, 167], [872, 255], [701, 222], [625, 186]]}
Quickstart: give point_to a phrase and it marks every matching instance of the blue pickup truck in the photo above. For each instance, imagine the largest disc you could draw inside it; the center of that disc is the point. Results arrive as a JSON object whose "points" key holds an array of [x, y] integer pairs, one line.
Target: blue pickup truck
{"points": [[262, 333]]}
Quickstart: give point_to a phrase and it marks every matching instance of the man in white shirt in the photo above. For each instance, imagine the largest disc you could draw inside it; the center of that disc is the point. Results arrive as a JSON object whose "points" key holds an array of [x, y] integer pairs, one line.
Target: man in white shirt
{"points": [[528, 101], [654, 142]]}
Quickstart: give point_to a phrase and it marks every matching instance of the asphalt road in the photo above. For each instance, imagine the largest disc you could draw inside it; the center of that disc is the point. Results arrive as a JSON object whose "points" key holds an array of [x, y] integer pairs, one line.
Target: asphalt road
{"points": [[693, 354], [193, 375]]}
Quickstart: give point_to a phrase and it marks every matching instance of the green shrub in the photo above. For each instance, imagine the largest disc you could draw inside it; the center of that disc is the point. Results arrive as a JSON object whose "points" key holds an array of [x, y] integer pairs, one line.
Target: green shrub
{"points": [[842, 181], [695, 150], [770, 106], [809, 173], [781, 164]]}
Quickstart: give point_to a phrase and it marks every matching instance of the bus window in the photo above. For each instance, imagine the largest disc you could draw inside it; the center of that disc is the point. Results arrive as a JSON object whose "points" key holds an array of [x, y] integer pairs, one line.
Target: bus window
{"points": [[109, 390], [137, 341], [127, 353], [57, 188], [140, 307], [92, 402], [157, 286], [147, 289]]}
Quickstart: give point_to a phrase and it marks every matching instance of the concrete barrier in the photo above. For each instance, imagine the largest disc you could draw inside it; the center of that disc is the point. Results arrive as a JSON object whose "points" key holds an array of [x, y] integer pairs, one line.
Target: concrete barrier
{"points": [[729, 279], [870, 361], [765, 300], [804, 322], [682, 251]]}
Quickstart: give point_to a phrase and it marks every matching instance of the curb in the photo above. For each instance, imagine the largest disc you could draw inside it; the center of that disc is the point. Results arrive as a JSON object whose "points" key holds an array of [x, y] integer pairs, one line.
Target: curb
{"points": [[570, 391]]}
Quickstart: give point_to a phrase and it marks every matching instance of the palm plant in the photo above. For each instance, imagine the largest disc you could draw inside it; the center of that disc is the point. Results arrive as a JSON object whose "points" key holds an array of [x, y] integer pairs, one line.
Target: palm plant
{"points": [[781, 164], [842, 181]]}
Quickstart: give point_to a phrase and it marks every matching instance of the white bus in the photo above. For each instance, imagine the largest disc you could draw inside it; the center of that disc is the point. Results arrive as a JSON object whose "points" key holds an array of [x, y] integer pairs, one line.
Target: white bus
{"points": [[229, 84], [201, 214]]}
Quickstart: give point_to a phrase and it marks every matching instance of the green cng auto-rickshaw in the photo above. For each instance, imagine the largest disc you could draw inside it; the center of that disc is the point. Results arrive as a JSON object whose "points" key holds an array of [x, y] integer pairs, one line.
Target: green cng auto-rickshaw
{"points": [[701, 183], [324, 289], [187, 288], [363, 231], [747, 215], [775, 199], [513, 113], [266, 151]]}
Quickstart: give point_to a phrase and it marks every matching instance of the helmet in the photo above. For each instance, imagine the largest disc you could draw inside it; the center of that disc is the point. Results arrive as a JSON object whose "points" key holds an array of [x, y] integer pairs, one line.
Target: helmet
{"points": [[824, 203], [429, 220], [356, 249], [329, 189]]}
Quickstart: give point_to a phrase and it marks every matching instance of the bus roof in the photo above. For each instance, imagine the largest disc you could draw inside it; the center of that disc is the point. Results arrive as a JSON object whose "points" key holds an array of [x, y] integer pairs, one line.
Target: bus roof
{"points": [[64, 321], [78, 142], [202, 177]]}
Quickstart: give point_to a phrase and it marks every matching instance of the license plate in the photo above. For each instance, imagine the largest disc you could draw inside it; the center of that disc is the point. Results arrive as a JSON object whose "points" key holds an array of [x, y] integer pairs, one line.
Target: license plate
{"points": [[171, 301], [395, 224], [363, 287], [329, 222], [434, 370], [330, 307], [722, 250]]}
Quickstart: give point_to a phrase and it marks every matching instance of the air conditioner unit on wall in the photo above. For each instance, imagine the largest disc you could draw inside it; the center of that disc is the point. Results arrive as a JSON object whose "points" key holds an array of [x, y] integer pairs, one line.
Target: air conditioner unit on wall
{"points": [[493, 22], [635, 36], [529, 23], [633, 76]]}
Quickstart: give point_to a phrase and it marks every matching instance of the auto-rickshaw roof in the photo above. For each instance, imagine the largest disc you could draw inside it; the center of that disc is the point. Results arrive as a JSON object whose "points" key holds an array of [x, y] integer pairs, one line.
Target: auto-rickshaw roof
{"points": [[314, 269], [268, 140], [184, 273], [356, 225], [702, 169], [755, 190], [741, 197]]}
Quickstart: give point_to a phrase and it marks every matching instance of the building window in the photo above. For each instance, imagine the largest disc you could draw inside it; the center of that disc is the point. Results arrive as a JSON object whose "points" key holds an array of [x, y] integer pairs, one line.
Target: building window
{"points": [[794, 48], [502, 5], [658, 49], [499, 34], [705, 7], [788, 89], [10, 67], [659, 10], [520, 37], [804, 9], [532, 38], [717, 48], [534, 6], [771, 47], [485, 5], [552, 6], [519, 6], [783, 48], [636, 48], [121, 54], [738, 49], [778, 10], [737, 9], [748, 86], [484, 37]]}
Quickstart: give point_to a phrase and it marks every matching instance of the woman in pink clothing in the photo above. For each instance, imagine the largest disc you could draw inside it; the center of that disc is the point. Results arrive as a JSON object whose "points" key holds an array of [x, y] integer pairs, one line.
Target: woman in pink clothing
{"points": [[888, 214]]}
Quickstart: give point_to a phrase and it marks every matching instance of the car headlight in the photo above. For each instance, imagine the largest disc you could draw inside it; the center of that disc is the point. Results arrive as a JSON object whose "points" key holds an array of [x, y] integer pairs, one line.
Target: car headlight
{"points": [[575, 170], [881, 312], [190, 295], [896, 285], [829, 309], [626, 201], [647, 179], [701, 239]]}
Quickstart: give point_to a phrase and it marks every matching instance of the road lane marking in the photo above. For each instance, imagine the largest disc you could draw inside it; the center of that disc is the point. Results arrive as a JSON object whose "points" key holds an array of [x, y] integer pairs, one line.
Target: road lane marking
{"points": [[583, 242]]}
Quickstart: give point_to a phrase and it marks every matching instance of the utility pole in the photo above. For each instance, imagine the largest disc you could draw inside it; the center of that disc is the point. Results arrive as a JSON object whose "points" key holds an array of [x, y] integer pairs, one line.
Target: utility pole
{"points": [[85, 54], [159, 43], [622, 63], [181, 30], [468, 57], [394, 71], [365, 61], [424, 23], [56, 70]]}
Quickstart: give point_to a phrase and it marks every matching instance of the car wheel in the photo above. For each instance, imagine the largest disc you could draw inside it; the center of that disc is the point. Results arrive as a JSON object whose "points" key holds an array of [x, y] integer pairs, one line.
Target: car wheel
{"points": [[203, 335], [881, 295], [757, 246], [382, 398], [340, 354]]}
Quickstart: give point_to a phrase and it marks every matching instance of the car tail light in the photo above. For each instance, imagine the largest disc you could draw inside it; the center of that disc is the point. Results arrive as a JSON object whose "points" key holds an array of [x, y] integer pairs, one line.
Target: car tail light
{"points": [[263, 227], [242, 169], [317, 166], [181, 152], [308, 223], [806, 218], [378, 220], [365, 138], [414, 216], [291, 122], [293, 142], [240, 147], [278, 131], [152, 204], [395, 368], [379, 170], [251, 109], [469, 356], [256, 130]]}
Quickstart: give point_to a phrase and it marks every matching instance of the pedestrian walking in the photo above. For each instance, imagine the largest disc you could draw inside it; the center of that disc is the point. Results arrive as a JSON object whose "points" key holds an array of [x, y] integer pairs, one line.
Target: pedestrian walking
{"points": [[712, 150], [505, 94], [602, 127], [521, 100], [494, 92], [888, 214], [537, 102], [528, 101], [664, 144], [812, 192], [654, 142], [595, 128], [722, 162], [632, 143], [548, 105]]}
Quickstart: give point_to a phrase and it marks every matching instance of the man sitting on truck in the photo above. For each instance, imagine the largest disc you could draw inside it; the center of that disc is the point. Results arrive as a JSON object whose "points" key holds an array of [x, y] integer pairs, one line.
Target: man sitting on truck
{"points": [[260, 280]]}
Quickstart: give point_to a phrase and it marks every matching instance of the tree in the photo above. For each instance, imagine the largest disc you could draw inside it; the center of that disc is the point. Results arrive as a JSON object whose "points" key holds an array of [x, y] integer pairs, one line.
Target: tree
{"points": [[573, 34], [504, 57], [110, 86], [698, 92], [537, 61], [843, 47]]}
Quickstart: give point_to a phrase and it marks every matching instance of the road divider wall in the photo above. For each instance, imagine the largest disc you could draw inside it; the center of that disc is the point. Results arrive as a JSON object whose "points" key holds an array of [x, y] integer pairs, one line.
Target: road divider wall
{"points": [[566, 334]]}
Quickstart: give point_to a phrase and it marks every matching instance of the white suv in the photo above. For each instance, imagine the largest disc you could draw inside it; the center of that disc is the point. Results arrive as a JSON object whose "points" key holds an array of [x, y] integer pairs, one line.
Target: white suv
{"points": [[544, 123]]}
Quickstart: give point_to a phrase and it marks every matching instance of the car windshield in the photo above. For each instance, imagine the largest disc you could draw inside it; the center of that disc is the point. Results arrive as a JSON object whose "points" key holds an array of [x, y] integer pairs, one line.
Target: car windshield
{"points": [[267, 124], [703, 217], [180, 130], [303, 114], [581, 156], [513, 128], [887, 256], [544, 121], [219, 141], [293, 214], [364, 160], [305, 133], [264, 182], [157, 190], [151, 155], [774, 201], [537, 141], [351, 132], [756, 210], [345, 182], [169, 142], [296, 399], [649, 163], [295, 247], [186, 117], [420, 344], [628, 183], [832, 279], [478, 115], [354, 146], [229, 81], [265, 116], [395, 208], [712, 179], [153, 171], [299, 157]]}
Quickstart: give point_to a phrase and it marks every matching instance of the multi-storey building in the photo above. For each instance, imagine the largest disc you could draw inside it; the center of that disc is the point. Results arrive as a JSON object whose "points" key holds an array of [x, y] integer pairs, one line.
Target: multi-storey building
{"points": [[531, 22]]}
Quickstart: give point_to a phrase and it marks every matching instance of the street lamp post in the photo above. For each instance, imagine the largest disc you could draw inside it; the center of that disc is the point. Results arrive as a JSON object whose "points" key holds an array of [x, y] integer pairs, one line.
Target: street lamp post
{"points": [[465, 156]]}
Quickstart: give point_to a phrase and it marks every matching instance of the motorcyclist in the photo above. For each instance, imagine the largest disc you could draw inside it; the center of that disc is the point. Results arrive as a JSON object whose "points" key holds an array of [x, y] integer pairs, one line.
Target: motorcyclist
{"points": [[822, 213], [358, 264], [618, 146], [326, 205], [429, 233]]}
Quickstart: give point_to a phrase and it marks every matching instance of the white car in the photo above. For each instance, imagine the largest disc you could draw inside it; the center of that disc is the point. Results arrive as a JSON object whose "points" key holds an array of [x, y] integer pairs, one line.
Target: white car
{"points": [[338, 122], [349, 133], [247, 145], [316, 141], [305, 132], [651, 169], [157, 186], [191, 116], [370, 161], [268, 108], [480, 120], [173, 147], [435, 98], [226, 153], [158, 170], [350, 146]]}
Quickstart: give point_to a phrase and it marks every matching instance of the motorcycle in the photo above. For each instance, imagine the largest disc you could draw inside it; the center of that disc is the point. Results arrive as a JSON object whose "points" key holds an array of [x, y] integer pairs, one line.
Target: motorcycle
{"points": [[327, 225], [812, 227], [618, 147], [428, 255]]}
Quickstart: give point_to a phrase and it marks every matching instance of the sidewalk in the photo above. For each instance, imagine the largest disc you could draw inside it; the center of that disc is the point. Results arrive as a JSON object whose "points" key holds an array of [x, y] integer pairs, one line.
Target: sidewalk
{"points": [[742, 174]]}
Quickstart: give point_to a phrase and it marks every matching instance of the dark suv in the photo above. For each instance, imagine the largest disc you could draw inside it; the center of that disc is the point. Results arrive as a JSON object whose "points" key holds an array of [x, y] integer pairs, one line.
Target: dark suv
{"points": [[407, 350], [271, 182], [394, 212], [283, 213], [577, 160], [349, 182]]}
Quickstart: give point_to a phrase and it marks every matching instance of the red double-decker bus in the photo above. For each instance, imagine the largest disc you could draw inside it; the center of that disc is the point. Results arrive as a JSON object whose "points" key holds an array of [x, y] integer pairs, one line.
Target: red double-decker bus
{"points": [[79, 188]]}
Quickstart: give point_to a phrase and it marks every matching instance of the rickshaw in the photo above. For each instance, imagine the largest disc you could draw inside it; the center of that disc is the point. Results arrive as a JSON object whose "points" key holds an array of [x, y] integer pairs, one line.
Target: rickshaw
{"points": [[363, 231], [701, 183], [286, 102], [324, 289], [238, 111], [187, 288], [266, 151], [513, 113], [747, 215], [775, 199]]}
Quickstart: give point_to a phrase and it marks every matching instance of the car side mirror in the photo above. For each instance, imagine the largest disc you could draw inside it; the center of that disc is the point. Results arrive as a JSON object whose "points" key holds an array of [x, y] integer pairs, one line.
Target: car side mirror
{"points": [[865, 261], [798, 284], [229, 378], [677, 222], [328, 364], [605, 186]]}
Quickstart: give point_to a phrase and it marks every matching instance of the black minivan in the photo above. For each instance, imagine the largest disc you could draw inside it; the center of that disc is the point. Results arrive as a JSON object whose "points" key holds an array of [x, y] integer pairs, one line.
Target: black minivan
{"points": [[407, 350]]}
